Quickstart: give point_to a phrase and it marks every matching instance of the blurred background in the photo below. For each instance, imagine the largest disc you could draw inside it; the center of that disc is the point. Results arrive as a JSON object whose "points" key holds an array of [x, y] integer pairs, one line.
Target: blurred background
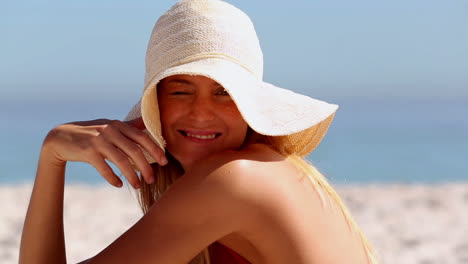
{"points": [[398, 69]]}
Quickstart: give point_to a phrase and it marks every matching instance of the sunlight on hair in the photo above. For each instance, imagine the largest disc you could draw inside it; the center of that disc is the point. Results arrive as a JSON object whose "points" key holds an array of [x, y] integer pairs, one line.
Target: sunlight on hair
{"points": [[321, 184]]}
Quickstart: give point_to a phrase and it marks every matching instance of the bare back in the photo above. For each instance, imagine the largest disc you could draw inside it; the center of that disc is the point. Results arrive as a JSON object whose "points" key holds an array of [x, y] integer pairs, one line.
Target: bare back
{"points": [[290, 225]]}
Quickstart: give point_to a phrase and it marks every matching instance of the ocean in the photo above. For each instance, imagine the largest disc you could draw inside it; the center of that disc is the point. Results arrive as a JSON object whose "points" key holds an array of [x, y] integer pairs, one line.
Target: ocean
{"points": [[371, 140]]}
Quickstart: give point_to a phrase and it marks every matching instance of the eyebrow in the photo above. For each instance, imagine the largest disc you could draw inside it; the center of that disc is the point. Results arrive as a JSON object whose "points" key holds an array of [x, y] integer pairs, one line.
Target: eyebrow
{"points": [[184, 81], [181, 81]]}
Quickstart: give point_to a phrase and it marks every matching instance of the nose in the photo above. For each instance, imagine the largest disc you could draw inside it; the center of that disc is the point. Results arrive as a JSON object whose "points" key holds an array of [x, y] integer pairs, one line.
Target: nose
{"points": [[202, 109]]}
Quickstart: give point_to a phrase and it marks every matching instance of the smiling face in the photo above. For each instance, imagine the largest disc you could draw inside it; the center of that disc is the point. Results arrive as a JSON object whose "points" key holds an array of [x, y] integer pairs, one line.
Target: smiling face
{"points": [[198, 118]]}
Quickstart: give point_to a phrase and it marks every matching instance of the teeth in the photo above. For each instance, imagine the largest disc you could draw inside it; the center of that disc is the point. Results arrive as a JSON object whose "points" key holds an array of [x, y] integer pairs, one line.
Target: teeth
{"points": [[202, 137]]}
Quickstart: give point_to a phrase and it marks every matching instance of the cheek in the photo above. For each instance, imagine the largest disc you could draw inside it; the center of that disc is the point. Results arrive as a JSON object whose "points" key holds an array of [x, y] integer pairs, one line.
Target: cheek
{"points": [[167, 115], [235, 121]]}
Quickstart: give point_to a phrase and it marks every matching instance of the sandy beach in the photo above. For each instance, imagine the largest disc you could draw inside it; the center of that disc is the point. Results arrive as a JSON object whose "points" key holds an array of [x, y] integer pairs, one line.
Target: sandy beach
{"points": [[407, 224]]}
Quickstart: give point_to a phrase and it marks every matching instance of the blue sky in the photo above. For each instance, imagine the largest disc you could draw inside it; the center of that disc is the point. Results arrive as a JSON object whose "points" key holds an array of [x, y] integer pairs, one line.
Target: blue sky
{"points": [[94, 50]]}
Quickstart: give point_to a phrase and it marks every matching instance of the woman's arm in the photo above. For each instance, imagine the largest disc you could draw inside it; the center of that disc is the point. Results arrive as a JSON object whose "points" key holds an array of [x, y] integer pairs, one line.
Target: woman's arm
{"points": [[88, 141], [197, 210], [43, 240]]}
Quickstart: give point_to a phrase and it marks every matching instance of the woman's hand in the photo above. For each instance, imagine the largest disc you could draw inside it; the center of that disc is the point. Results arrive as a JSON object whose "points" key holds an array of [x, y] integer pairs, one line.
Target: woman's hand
{"points": [[97, 140]]}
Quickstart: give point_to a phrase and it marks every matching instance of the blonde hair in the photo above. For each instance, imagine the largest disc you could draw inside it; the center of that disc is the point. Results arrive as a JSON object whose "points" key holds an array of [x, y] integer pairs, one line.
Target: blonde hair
{"points": [[166, 175], [321, 185]]}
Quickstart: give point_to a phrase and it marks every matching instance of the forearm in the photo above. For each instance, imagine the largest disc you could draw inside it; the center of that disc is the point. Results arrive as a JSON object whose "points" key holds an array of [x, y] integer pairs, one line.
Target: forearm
{"points": [[43, 240]]}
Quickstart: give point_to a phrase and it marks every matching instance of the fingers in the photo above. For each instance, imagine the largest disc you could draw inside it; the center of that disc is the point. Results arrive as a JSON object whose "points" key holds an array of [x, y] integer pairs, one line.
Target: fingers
{"points": [[132, 151], [122, 143], [133, 132], [110, 152], [122, 162], [105, 170]]}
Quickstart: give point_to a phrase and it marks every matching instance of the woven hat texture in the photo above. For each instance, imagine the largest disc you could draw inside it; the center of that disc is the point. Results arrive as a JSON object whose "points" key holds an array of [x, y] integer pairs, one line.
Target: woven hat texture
{"points": [[217, 40]]}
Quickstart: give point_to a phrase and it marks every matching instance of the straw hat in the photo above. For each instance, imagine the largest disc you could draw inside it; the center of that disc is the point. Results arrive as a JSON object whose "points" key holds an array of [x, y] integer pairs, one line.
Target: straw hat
{"points": [[217, 40]]}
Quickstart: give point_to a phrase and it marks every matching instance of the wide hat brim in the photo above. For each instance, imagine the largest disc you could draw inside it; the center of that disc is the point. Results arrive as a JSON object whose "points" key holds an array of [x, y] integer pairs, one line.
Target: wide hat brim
{"points": [[296, 123]]}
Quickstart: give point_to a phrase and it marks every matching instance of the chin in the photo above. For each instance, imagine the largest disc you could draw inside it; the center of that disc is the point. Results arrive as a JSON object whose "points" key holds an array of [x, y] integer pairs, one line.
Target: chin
{"points": [[191, 157]]}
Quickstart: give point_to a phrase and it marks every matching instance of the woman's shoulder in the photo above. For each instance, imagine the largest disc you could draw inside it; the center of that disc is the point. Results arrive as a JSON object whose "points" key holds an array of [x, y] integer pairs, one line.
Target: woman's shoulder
{"points": [[278, 204], [275, 206], [252, 162], [253, 152], [256, 173]]}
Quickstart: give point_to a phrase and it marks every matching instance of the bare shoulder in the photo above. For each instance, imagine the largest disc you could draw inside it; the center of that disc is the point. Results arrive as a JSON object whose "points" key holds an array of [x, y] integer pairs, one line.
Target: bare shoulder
{"points": [[254, 176], [245, 168], [283, 208]]}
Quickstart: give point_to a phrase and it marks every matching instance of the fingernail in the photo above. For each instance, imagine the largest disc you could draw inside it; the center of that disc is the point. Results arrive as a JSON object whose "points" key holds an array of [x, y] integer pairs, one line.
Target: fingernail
{"points": [[137, 185], [119, 184], [151, 180], [163, 160]]}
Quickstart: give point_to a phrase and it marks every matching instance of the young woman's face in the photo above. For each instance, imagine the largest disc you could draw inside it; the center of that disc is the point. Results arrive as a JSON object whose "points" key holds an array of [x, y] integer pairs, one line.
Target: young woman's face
{"points": [[198, 118]]}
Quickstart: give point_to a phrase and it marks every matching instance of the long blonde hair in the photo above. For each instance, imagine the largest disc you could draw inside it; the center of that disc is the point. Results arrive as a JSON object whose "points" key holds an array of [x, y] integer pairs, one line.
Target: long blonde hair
{"points": [[168, 174]]}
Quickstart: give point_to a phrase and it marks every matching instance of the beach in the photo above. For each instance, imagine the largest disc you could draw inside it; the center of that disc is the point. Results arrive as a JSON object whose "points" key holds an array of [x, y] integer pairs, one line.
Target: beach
{"points": [[406, 223]]}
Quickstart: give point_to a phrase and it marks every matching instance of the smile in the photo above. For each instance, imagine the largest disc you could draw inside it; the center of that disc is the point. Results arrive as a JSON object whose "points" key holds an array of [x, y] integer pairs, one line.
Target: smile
{"points": [[200, 135]]}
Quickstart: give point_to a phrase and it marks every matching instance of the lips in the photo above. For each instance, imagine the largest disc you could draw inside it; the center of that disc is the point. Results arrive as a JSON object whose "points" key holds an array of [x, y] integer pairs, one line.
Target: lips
{"points": [[200, 135]]}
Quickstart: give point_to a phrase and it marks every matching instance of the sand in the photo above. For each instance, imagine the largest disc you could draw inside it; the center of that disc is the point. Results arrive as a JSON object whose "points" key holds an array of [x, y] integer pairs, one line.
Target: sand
{"points": [[407, 224]]}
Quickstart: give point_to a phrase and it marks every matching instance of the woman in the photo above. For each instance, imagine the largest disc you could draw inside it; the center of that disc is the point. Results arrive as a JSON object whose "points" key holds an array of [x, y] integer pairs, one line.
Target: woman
{"points": [[219, 153]]}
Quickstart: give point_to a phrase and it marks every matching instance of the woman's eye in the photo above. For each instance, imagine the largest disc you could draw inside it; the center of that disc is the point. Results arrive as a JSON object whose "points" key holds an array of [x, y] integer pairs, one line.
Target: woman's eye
{"points": [[222, 92], [179, 93]]}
